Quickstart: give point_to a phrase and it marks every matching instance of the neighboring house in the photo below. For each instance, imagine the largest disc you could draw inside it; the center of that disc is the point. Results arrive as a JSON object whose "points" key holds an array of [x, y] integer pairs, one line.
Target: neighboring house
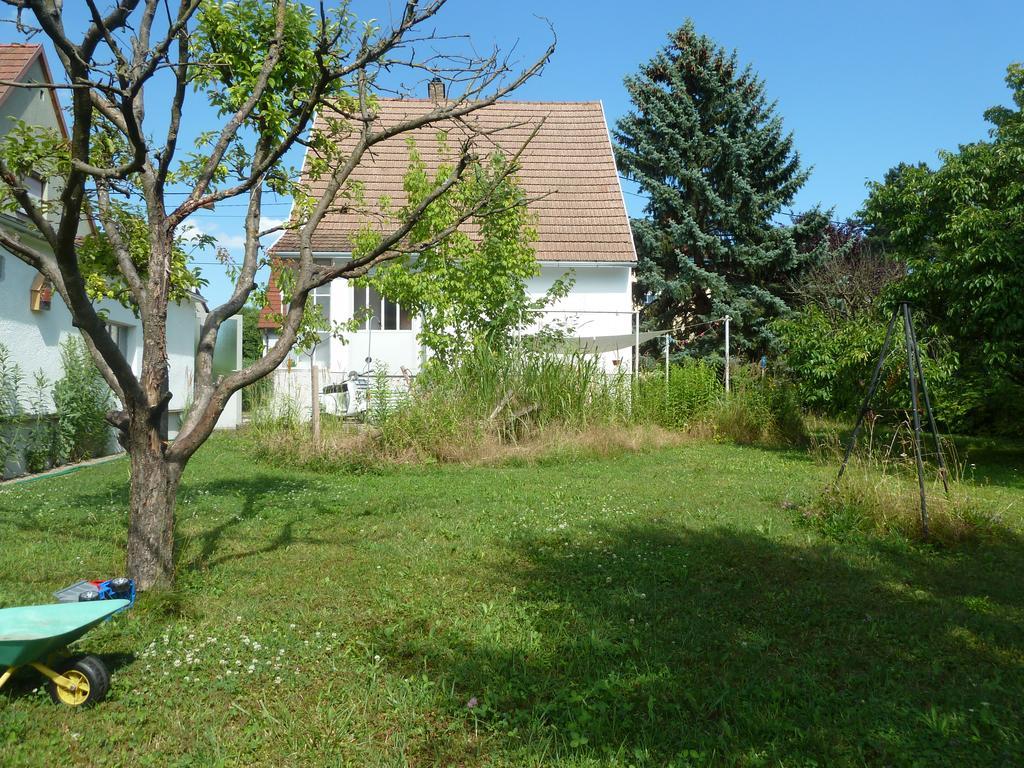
{"points": [[33, 318], [581, 221]]}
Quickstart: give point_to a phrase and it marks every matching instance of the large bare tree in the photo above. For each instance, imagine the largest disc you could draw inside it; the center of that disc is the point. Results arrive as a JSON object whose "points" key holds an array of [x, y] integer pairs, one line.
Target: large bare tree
{"points": [[267, 68]]}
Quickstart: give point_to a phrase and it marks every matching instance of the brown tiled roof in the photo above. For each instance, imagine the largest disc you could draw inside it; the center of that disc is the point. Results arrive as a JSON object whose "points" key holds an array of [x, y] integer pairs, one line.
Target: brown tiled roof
{"points": [[581, 217], [15, 59], [274, 307]]}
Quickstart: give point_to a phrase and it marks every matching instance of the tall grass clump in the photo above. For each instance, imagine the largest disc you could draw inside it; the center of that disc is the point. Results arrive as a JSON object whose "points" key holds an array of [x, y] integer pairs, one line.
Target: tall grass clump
{"points": [[690, 395], [760, 411], [500, 398], [878, 496]]}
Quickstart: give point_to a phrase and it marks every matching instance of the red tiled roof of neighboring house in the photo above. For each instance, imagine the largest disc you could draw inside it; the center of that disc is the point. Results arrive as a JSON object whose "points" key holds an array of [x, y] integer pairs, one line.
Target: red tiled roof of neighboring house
{"points": [[15, 59], [568, 165]]}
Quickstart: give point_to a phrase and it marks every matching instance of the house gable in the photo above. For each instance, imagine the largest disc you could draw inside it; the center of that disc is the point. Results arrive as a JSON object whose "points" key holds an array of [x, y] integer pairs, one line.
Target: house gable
{"points": [[567, 170]]}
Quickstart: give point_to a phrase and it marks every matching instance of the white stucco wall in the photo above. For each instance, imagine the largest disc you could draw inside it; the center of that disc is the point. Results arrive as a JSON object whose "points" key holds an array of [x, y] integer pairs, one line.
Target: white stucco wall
{"points": [[599, 304], [34, 338]]}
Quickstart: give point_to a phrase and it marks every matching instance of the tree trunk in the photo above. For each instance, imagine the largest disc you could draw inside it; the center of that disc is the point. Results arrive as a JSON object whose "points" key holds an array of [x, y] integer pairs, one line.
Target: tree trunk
{"points": [[154, 485], [314, 382]]}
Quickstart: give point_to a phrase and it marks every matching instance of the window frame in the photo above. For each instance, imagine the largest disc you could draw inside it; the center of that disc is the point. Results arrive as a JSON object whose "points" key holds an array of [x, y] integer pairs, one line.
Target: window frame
{"points": [[119, 334], [381, 309]]}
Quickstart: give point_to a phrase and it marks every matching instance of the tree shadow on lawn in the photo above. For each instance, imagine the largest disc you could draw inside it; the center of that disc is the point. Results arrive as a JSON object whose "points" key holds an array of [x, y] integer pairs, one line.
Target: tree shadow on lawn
{"points": [[255, 493], [994, 462], [650, 642]]}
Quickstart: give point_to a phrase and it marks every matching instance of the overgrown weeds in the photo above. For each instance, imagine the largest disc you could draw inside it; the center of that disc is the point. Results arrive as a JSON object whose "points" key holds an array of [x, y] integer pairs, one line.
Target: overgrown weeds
{"points": [[760, 412], [878, 494], [497, 406]]}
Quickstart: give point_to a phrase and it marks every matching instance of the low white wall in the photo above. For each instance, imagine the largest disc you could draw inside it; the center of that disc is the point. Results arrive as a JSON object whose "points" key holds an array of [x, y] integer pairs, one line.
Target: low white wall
{"points": [[291, 391]]}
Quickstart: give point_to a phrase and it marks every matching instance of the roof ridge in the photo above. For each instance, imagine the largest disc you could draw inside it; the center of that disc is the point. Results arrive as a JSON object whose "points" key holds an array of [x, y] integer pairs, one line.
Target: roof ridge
{"points": [[540, 102]]}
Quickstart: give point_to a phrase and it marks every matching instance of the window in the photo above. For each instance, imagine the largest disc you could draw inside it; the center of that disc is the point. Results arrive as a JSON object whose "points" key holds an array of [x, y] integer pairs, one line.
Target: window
{"points": [[322, 353], [120, 334], [322, 298], [34, 185], [381, 314], [40, 295]]}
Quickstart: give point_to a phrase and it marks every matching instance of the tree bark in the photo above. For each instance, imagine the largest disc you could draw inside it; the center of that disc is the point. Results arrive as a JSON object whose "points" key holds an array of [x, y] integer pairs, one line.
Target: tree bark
{"points": [[153, 488], [314, 381]]}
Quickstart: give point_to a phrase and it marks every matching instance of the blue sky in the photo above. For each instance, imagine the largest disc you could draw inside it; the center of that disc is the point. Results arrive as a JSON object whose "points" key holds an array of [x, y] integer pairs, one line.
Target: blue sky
{"points": [[862, 85]]}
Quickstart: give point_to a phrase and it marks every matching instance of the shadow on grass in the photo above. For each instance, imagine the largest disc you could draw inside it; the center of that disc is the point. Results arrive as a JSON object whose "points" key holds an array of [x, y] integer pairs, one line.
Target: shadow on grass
{"points": [[27, 680], [718, 647], [255, 492], [994, 461]]}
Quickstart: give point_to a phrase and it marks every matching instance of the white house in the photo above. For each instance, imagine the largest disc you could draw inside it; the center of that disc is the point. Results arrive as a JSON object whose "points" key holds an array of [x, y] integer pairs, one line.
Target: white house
{"points": [[581, 221], [33, 319]]}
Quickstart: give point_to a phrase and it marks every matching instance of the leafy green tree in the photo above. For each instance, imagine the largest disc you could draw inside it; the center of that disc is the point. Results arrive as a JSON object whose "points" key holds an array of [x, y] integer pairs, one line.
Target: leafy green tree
{"points": [[831, 340], [136, 72], [707, 147], [97, 258], [252, 339], [960, 230], [467, 290]]}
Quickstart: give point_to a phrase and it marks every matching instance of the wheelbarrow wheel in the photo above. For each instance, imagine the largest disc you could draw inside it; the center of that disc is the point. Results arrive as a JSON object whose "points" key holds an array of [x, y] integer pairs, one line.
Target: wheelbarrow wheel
{"points": [[91, 679]]}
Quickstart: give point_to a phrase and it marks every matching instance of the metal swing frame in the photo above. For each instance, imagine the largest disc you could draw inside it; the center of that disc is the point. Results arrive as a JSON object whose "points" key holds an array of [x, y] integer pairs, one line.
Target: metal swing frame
{"points": [[915, 376]]}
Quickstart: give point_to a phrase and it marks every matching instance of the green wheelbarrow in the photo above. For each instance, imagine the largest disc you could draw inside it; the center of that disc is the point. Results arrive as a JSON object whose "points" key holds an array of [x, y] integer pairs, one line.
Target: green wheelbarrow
{"points": [[30, 633]]}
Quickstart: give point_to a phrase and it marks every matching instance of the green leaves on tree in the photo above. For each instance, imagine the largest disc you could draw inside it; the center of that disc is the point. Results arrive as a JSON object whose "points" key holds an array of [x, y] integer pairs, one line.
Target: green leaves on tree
{"points": [[469, 290]]}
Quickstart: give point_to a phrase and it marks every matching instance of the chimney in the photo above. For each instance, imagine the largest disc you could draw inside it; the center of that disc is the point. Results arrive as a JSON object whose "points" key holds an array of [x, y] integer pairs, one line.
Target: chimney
{"points": [[435, 90]]}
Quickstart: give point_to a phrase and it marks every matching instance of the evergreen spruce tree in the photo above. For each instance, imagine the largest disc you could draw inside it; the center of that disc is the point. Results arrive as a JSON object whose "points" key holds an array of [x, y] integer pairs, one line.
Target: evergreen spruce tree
{"points": [[705, 144]]}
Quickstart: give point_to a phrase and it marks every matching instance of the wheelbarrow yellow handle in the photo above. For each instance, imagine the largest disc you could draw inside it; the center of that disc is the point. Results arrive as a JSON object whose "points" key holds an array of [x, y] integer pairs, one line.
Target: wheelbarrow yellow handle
{"points": [[57, 677]]}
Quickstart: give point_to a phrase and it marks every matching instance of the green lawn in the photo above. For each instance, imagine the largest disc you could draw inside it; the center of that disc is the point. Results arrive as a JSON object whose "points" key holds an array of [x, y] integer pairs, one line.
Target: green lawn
{"points": [[649, 610]]}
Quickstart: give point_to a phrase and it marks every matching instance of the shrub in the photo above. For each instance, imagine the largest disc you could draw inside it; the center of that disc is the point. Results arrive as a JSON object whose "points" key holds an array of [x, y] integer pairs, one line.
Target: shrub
{"points": [[42, 449], [82, 399], [11, 381], [761, 411]]}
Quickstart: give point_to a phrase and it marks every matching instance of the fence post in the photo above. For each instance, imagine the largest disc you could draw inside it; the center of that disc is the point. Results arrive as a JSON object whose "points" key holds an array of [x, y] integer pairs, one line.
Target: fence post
{"points": [[727, 319], [636, 343], [314, 376]]}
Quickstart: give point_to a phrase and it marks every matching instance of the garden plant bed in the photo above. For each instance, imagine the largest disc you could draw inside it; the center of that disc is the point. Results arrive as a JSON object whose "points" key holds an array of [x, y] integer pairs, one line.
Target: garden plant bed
{"points": [[656, 608]]}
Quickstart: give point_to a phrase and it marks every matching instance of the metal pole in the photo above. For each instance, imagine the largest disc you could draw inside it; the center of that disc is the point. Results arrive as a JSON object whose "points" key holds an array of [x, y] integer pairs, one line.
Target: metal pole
{"points": [[314, 413], [727, 319], [931, 414], [636, 343], [867, 397], [908, 332], [667, 342]]}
